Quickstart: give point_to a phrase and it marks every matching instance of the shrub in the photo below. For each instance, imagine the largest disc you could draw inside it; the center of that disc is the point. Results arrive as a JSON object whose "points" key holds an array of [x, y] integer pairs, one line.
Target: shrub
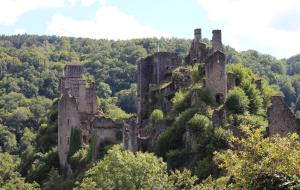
{"points": [[240, 72], [75, 141], [196, 73], [79, 159], [156, 116], [202, 95], [255, 100], [181, 101], [237, 102], [175, 158], [171, 138], [257, 162], [92, 148], [199, 123]]}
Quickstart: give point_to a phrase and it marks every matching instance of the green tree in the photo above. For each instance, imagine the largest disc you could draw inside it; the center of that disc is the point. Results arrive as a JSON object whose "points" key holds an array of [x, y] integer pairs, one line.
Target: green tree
{"points": [[237, 102], [255, 100], [262, 163], [10, 178], [8, 140], [156, 116], [103, 90], [121, 169], [75, 141]]}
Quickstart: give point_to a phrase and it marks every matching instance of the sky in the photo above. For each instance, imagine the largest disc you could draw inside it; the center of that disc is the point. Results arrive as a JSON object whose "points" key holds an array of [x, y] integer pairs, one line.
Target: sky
{"points": [[268, 26]]}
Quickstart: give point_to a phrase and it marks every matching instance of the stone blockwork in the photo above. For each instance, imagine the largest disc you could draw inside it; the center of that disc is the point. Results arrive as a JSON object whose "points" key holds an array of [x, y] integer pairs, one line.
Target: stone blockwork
{"points": [[198, 51], [212, 60], [281, 119], [216, 77], [219, 117], [77, 110], [153, 71], [130, 134]]}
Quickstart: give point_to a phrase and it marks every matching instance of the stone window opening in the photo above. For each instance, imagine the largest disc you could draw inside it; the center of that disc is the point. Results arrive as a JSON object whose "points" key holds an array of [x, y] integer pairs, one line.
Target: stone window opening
{"points": [[194, 61], [219, 98], [68, 122], [68, 140]]}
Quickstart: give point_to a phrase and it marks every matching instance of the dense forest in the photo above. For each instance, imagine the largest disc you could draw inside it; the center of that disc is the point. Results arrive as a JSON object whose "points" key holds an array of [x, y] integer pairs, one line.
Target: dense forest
{"points": [[30, 67]]}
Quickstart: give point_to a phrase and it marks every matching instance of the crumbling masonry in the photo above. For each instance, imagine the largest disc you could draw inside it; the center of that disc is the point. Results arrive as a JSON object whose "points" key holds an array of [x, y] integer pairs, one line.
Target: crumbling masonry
{"points": [[281, 119], [77, 109]]}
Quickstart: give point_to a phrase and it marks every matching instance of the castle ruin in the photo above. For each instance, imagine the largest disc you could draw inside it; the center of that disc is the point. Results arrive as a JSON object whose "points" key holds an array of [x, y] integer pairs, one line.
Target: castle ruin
{"points": [[77, 107], [212, 61], [77, 110], [155, 88]]}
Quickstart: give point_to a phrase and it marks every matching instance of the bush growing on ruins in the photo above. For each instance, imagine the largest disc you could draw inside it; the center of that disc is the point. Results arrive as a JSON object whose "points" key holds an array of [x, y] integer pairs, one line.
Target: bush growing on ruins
{"points": [[199, 123], [237, 102], [255, 100], [78, 160], [172, 138], [249, 120], [241, 73], [92, 154], [104, 147], [181, 101], [262, 163], [156, 116], [75, 141], [196, 73], [103, 90]]}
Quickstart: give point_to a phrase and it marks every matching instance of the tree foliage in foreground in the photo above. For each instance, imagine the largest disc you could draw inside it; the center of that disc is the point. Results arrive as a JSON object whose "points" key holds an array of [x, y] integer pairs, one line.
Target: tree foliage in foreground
{"points": [[262, 163], [121, 169]]}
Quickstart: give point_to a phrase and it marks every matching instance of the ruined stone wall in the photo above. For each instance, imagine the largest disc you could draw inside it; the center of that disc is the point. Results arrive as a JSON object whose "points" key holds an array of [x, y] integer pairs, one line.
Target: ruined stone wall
{"points": [[216, 78], [163, 64], [130, 134], [77, 106], [198, 51], [68, 118], [281, 119], [86, 96], [152, 70], [219, 118], [107, 129], [217, 40], [73, 70]]}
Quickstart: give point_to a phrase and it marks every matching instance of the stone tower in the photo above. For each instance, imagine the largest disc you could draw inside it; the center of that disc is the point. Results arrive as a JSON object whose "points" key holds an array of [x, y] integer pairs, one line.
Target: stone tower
{"points": [[77, 102], [198, 50], [217, 40], [216, 77], [212, 61]]}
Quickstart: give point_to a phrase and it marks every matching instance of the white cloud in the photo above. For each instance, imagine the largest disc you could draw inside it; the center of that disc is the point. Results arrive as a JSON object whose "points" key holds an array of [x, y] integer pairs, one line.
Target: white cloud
{"points": [[86, 3], [11, 10], [109, 23], [258, 22]]}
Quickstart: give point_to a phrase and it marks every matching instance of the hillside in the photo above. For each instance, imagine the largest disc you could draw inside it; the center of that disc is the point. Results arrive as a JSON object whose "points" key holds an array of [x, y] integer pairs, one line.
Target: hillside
{"points": [[30, 67]]}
